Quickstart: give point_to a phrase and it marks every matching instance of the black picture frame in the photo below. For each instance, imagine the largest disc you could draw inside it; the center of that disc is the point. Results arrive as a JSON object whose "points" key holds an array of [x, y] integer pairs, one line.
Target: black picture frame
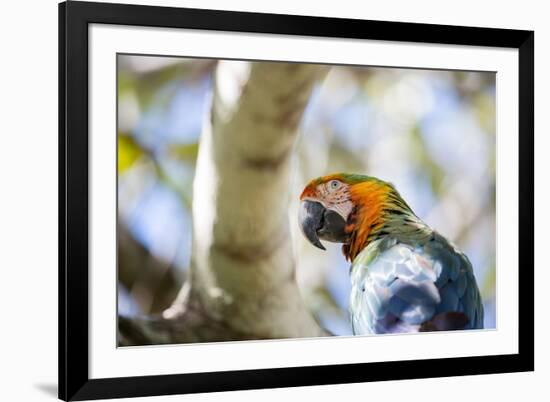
{"points": [[74, 19]]}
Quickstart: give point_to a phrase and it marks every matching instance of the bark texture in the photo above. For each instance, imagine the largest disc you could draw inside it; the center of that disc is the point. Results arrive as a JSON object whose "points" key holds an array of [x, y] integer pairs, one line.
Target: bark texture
{"points": [[242, 279]]}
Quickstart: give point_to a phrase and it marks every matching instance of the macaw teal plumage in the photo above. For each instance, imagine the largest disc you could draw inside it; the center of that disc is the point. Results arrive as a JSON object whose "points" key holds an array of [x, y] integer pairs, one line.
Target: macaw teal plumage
{"points": [[400, 287], [405, 276]]}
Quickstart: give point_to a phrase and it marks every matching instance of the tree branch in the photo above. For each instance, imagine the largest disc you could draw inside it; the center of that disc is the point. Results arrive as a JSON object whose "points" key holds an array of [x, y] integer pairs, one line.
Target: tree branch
{"points": [[150, 279], [242, 283]]}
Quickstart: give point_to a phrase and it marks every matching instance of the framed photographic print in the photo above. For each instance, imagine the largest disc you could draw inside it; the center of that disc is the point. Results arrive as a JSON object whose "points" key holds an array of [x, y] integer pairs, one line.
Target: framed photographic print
{"points": [[258, 200]]}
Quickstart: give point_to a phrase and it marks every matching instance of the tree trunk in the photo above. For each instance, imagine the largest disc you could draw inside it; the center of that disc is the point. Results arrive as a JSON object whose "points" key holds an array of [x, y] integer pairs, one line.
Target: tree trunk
{"points": [[242, 280]]}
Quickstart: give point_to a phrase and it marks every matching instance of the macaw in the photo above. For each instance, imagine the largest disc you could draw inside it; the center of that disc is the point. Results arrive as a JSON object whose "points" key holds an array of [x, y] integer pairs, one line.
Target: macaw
{"points": [[405, 276]]}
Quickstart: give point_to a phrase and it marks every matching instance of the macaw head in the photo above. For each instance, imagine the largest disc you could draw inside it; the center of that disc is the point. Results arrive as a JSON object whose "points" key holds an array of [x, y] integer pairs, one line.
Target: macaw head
{"points": [[347, 208]]}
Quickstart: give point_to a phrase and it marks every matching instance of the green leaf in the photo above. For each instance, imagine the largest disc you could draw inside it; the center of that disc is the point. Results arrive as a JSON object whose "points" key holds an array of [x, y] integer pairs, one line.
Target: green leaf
{"points": [[128, 152], [184, 152]]}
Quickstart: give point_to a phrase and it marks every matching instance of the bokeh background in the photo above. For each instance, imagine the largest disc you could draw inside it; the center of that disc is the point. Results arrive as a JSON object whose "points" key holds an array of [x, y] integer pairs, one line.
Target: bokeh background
{"points": [[431, 133]]}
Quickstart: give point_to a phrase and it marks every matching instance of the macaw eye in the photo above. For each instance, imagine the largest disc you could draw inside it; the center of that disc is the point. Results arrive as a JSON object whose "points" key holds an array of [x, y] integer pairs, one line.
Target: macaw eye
{"points": [[334, 184]]}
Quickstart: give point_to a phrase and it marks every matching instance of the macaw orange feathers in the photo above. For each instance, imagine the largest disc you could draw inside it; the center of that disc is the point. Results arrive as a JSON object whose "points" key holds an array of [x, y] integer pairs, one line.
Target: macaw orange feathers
{"points": [[370, 199]]}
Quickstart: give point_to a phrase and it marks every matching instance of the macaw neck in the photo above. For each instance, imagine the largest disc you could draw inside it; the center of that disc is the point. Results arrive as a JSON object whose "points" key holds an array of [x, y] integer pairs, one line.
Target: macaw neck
{"points": [[379, 211]]}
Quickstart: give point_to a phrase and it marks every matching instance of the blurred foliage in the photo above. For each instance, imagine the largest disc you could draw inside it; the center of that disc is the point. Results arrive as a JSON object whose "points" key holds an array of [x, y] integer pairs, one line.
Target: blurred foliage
{"points": [[128, 152], [186, 152], [431, 133]]}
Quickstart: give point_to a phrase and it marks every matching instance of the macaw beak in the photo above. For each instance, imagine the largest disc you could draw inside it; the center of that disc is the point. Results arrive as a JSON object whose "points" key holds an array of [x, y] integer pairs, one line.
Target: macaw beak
{"points": [[318, 222]]}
